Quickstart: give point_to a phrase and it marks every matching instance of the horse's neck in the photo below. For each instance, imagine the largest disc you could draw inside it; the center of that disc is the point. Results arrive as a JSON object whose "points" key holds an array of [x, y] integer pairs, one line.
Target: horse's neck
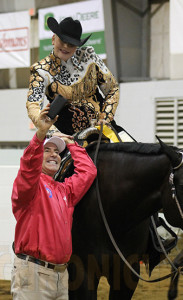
{"points": [[131, 185]]}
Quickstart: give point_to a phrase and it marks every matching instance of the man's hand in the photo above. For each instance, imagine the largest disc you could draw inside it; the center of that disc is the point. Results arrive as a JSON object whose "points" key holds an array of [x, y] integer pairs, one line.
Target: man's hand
{"points": [[69, 139], [44, 123]]}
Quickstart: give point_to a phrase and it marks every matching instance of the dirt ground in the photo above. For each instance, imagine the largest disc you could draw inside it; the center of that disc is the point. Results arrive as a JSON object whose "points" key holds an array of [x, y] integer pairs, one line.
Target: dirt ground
{"points": [[144, 290], [151, 291]]}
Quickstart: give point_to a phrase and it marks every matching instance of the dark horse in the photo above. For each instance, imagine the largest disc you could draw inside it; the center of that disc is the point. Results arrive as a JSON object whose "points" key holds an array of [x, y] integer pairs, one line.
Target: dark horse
{"points": [[134, 184], [173, 290]]}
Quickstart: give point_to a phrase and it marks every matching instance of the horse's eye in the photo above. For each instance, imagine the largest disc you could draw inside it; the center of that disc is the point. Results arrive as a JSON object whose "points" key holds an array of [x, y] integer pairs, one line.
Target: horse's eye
{"points": [[179, 187]]}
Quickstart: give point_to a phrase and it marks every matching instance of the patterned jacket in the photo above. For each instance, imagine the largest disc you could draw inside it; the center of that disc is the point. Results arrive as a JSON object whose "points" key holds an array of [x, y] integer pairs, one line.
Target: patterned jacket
{"points": [[84, 80]]}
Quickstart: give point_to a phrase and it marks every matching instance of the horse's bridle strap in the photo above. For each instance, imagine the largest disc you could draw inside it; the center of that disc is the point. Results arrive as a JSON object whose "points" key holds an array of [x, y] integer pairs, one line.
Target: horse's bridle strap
{"points": [[177, 167], [174, 194], [173, 189]]}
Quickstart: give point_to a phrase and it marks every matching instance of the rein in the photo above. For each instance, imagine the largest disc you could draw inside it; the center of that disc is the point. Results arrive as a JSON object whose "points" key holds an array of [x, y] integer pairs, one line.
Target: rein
{"points": [[176, 270]]}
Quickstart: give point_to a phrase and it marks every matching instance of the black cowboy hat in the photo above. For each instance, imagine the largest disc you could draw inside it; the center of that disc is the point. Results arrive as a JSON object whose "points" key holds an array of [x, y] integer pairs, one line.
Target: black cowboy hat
{"points": [[68, 30]]}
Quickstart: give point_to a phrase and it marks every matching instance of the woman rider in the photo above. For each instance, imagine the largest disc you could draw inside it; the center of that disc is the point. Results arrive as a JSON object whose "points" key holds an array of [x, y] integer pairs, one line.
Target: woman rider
{"points": [[79, 75]]}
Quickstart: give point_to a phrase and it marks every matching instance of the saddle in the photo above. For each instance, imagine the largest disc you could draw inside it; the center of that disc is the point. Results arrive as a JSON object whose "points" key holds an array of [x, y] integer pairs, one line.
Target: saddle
{"points": [[88, 136], [84, 138]]}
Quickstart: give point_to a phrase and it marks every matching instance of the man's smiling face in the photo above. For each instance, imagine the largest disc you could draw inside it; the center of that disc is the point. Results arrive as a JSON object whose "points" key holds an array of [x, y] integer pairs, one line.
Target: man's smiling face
{"points": [[51, 159]]}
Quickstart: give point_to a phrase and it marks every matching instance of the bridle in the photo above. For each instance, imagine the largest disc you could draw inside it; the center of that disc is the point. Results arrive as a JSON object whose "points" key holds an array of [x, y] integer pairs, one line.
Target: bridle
{"points": [[173, 189], [176, 270], [174, 197]]}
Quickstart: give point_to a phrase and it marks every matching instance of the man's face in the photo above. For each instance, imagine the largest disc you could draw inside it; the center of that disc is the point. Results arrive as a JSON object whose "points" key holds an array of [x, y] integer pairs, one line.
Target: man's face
{"points": [[62, 50], [51, 159]]}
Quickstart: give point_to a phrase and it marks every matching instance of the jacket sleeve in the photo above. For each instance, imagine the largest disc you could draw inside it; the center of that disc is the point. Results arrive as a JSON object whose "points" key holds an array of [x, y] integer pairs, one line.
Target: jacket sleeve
{"points": [[38, 83], [27, 180], [85, 172], [109, 87]]}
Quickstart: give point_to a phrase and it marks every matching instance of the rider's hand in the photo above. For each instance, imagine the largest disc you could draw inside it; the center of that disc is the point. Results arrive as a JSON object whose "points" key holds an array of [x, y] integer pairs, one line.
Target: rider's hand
{"points": [[102, 121]]}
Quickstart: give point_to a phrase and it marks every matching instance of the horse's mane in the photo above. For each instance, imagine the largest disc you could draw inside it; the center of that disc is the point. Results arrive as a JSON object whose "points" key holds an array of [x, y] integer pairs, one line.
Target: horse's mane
{"points": [[130, 147]]}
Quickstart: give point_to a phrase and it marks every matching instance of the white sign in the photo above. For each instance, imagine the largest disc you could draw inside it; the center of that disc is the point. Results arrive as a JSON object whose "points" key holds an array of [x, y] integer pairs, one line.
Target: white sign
{"points": [[14, 40], [89, 13], [176, 26]]}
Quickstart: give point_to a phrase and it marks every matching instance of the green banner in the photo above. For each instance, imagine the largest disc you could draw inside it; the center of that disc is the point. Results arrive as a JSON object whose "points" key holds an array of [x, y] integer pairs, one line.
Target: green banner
{"points": [[45, 20], [96, 40], [45, 47]]}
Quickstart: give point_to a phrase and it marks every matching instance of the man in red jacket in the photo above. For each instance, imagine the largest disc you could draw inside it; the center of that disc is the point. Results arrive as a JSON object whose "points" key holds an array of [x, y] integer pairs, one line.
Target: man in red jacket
{"points": [[43, 209]]}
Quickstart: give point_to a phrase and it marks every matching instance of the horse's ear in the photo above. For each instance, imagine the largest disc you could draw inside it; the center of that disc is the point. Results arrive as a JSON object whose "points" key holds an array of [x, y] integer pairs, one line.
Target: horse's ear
{"points": [[162, 144], [173, 155]]}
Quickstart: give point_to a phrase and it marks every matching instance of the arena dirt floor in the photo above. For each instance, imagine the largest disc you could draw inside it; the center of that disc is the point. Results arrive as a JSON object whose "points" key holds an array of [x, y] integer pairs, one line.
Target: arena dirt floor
{"points": [[144, 290]]}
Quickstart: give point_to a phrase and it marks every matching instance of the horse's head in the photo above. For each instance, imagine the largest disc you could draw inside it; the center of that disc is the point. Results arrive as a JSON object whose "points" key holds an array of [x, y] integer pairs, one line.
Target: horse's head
{"points": [[176, 176], [175, 156]]}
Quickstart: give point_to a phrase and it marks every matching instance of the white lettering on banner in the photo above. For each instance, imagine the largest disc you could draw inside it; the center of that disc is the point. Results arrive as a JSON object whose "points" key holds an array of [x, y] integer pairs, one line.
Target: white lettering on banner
{"points": [[87, 16], [94, 42], [15, 39], [48, 48], [83, 16]]}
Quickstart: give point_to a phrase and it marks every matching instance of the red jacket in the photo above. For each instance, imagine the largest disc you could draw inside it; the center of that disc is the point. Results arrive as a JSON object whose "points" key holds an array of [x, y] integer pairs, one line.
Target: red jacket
{"points": [[43, 208]]}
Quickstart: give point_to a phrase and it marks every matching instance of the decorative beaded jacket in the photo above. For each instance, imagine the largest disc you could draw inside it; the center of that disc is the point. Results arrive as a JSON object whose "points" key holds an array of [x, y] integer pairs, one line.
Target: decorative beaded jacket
{"points": [[84, 80]]}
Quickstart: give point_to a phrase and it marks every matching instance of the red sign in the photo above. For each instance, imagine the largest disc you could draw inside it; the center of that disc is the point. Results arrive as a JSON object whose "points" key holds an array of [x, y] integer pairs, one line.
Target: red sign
{"points": [[15, 39]]}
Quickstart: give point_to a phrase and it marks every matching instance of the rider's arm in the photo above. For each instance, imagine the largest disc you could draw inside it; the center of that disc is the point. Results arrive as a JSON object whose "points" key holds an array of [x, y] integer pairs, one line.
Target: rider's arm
{"points": [[38, 83], [109, 87]]}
